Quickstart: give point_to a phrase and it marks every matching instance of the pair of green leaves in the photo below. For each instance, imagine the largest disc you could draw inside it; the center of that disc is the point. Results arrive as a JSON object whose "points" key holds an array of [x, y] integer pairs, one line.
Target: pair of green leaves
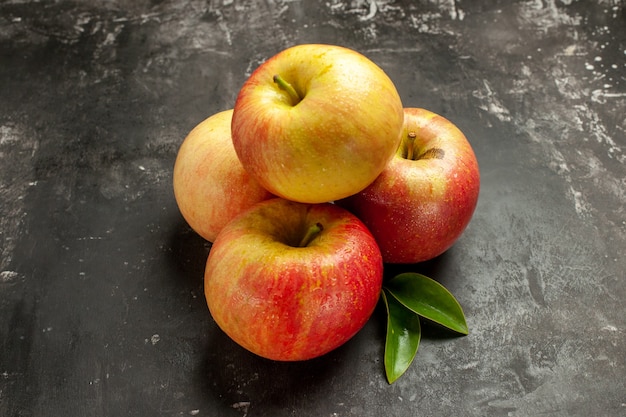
{"points": [[407, 297]]}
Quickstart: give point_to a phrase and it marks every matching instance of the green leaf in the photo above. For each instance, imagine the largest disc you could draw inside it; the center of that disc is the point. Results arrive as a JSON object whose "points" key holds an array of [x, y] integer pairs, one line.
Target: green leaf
{"points": [[403, 337], [429, 299]]}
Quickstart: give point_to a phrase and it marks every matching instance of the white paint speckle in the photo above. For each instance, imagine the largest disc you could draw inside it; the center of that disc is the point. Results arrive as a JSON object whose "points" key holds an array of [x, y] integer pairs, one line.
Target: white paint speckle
{"points": [[243, 406], [469, 365], [570, 50], [580, 204], [490, 102], [15, 179], [8, 276], [155, 339]]}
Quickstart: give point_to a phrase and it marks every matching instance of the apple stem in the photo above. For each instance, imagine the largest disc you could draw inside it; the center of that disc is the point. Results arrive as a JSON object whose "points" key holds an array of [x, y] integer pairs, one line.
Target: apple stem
{"points": [[311, 234], [285, 86], [410, 145]]}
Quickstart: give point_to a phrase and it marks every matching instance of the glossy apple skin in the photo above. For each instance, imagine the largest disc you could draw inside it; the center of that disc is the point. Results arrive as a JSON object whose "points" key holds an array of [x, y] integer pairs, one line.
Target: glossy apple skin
{"points": [[211, 186], [417, 209], [331, 144], [289, 303]]}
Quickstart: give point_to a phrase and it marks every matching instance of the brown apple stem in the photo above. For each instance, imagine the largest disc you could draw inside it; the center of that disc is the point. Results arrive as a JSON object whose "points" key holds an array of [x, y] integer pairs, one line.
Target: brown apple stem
{"points": [[285, 86], [410, 145], [311, 234]]}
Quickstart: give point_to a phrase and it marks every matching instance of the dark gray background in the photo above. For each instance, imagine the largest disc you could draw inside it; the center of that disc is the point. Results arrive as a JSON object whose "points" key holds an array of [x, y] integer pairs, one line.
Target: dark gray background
{"points": [[101, 304]]}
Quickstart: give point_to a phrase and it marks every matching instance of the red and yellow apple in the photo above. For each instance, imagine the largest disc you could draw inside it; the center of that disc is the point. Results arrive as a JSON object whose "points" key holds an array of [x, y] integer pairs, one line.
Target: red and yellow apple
{"points": [[211, 186], [424, 199], [317, 123], [292, 281]]}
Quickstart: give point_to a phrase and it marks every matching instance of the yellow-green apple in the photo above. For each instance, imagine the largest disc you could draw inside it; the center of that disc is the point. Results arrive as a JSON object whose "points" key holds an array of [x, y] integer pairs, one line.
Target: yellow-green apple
{"points": [[292, 281], [210, 185], [424, 199], [316, 123]]}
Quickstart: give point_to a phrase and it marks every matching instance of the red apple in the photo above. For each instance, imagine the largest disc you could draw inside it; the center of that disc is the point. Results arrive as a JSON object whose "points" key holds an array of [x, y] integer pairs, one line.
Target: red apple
{"points": [[292, 281], [424, 199], [317, 123], [211, 186]]}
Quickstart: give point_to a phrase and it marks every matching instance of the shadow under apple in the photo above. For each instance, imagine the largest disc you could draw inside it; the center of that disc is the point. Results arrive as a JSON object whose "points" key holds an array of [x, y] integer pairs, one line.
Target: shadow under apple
{"points": [[235, 376], [435, 268], [188, 255]]}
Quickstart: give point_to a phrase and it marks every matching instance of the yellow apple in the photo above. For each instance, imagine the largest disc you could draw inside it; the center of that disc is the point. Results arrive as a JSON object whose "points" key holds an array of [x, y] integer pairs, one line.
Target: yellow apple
{"points": [[317, 123], [210, 185]]}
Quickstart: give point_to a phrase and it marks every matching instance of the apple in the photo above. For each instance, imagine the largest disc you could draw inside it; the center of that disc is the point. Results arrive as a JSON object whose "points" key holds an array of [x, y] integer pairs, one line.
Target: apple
{"points": [[292, 281], [211, 186], [424, 199], [316, 123]]}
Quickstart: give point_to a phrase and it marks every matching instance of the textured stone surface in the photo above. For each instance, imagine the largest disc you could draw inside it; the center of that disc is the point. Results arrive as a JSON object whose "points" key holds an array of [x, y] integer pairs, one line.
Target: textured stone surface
{"points": [[101, 304]]}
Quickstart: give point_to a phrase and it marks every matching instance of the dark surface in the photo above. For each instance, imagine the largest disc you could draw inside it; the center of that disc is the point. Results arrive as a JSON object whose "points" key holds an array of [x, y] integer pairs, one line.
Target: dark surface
{"points": [[101, 304]]}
